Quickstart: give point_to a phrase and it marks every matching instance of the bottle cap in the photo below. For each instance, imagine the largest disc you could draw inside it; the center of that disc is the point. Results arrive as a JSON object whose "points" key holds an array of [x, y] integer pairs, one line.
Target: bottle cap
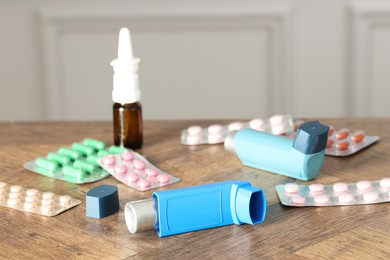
{"points": [[126, 84], [140, 215], [250, 205]]}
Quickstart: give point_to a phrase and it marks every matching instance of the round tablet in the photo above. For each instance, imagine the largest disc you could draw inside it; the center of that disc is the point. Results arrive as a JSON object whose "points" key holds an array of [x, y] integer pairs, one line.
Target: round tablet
{"points": [[194, 130], [370, 196], [385, 183], [235, 126], [14, 195], [14, 202], [120, 169], [32, 192], [46, 202], [358, 136], [278, 129], [143, 183], [215, 129], [345, 198], [46, 208], [3, 185], [193, 139], [16, 188], [138, 165], [65, 199], [291, 188], [257, 124], [150, 172], [363, 185], [342, 134], [162, 178], [214, 138], [342, 145], [48, 195], [276, 119], [31, 199], [340, 187], [321, 199], [132, 177], [29, 205], [108, 159], [298, 199], [127, 156], [316, 187]]}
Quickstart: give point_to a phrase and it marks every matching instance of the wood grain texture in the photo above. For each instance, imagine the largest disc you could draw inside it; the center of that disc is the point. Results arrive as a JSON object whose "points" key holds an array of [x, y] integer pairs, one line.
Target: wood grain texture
{"points": [[349, 232]]}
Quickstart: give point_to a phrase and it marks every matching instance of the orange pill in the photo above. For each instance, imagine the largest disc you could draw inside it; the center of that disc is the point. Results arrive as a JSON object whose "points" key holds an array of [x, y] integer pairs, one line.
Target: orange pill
{"points": [[343, 145], [342, 134], [330, 131], [357, 137], [329, 143]]}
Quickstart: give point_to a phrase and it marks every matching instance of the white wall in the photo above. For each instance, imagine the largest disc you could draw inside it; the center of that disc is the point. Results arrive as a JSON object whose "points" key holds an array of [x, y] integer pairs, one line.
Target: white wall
{"points": [[200, 59]]}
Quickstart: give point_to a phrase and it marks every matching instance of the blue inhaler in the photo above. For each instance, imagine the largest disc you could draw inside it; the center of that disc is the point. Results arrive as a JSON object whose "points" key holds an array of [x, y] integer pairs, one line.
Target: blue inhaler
{"points": [[194, 208], [299, 158]]}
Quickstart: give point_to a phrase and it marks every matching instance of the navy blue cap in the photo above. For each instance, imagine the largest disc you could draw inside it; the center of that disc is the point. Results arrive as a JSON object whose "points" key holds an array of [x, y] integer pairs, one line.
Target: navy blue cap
{"points": [[102, 201], [311, 137]]}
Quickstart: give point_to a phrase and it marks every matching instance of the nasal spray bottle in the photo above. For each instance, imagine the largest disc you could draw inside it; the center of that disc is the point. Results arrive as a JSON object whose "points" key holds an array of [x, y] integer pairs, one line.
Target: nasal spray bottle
{"points": [[299, 158], [194, 208], [127, 110]]}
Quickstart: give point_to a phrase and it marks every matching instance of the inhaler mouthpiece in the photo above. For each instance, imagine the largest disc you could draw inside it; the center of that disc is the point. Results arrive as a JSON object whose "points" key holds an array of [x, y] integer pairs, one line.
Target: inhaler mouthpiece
{"points": [[140, 215]]}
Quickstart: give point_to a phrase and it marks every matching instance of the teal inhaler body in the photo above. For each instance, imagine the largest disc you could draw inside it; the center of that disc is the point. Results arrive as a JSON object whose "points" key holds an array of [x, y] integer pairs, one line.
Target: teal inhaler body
{"points": [[198, 207], [299, 158]]}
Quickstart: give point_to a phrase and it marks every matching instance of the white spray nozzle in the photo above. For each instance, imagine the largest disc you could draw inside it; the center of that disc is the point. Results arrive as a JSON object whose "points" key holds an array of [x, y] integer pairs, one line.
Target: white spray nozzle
{"points": [[126, 87]]}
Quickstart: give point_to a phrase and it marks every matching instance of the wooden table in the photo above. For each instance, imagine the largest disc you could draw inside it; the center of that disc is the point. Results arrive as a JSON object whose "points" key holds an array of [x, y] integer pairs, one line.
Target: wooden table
{"points": [[354, 232]]}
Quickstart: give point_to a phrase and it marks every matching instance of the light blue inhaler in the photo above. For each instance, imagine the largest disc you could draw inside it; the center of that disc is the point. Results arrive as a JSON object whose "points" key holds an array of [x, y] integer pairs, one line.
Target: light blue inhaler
{"points": [[194, 208], [299, 158]]}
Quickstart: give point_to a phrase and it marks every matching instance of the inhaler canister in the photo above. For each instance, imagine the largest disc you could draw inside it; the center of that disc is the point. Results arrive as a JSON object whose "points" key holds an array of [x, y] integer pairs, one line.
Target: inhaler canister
{"points": [[299, 158], [198, 207]]}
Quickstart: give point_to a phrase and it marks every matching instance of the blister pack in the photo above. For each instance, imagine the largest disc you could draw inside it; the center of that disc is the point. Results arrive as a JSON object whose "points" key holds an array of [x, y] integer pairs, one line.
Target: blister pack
{"points": [[215, 134], [343, 143], [337, 194], [135, 171], [34, 201], [77, 164]]}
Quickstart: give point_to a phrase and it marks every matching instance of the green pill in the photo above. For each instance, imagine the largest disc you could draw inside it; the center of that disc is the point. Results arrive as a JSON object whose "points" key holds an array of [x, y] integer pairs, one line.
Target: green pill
{"points": [[92, 159], [46, 164], [116, 149], [74, 155], [73, 172], [58, 158], [84, 166], [102, 153], [84, 149], [94, 143]]}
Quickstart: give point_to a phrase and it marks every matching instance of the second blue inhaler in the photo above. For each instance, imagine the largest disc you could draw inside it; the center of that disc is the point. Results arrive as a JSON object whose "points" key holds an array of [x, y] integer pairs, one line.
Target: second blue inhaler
{"points": [[199, 207], [299, 158]]}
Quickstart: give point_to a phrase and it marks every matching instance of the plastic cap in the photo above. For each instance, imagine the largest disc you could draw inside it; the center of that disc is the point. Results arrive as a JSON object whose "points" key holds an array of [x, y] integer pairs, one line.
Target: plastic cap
{"points": [[250, 205], [229, 141], [126, 84], [140, 215], [311, 137]]}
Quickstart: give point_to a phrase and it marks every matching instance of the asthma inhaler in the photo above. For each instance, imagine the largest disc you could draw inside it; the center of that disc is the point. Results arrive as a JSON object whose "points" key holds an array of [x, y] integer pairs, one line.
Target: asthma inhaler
{"points": [[194, 208], [299, 158], [127, 110]]}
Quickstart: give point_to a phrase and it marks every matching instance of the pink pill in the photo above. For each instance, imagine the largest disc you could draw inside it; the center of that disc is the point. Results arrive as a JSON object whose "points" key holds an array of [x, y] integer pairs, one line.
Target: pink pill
{"points": [[363, 185], [194, 130], [47, 202], [162, 178], [370, 196], [345, 198], [127, 156], [29, 205], [48, 195], [291, 188], [46, 208], [278, 129], [108, 159], [235, 126], [257, 124], [132, 177], [215, 129], [3, 185], [32, 192], [31, 199], [13, 202], [143, 183], [340, 187], [385, 183], [276, 119], [14, 195], [215, 138], [298, 199], [193, 139], [151, 172], [321, 199], [16, 188], [120, 169], [64, 200], [316, 187], [138, 165]]}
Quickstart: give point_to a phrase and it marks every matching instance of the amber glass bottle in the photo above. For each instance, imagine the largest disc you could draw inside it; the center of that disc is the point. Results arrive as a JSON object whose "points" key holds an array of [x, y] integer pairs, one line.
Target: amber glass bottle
{"points": [[128, 125]]}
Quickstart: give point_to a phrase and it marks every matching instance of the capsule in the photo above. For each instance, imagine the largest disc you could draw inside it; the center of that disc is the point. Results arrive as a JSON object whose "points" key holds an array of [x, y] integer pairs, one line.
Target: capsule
{"points": [[357, 137], [87, 167], [342, 145], [92, 159], [84, 149], [98, 145], [58, 158], [342, 134], [74, 155], [102, 153], [116, 149], [73, 172], [46, 164]]}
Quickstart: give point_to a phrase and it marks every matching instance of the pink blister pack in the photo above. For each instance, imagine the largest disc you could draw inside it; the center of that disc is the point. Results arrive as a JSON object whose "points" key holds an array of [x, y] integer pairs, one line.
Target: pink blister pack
{"points": [[337, 194], [135, 171], [215, 134], [344, 143], [34, 201]]}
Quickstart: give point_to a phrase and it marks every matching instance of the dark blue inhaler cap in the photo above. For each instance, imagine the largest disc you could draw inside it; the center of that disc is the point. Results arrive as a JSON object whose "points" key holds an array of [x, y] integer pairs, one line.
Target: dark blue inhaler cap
{"points": [[311, 137]]}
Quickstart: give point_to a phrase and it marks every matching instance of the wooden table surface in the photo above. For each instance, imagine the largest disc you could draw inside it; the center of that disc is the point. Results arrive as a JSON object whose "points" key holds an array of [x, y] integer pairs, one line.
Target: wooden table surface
{"points": [[351, 232]]}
